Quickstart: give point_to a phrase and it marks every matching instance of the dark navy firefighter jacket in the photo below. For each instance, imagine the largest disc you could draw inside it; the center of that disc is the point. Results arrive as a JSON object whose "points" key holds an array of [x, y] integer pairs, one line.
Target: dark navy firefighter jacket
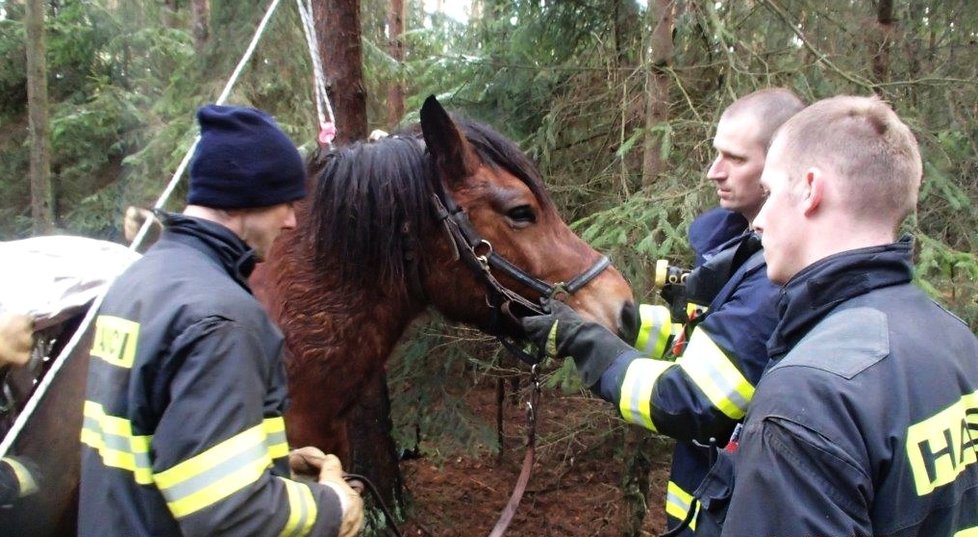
{"points": [[866, 422], [183, 431], [699, 395]]}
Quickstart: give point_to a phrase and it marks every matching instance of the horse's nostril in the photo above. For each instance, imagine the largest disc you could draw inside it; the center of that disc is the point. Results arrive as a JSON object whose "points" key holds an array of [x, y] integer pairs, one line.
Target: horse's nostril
{"points": [[628, 323]]}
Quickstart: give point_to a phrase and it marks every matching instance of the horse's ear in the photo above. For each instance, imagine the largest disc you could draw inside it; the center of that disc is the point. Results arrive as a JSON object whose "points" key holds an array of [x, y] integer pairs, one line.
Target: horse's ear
{"points": [[453, 154]]}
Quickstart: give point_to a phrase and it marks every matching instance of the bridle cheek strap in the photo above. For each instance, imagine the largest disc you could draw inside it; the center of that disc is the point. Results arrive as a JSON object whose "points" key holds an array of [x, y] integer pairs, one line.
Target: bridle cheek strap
{"points": [[477, 253]]}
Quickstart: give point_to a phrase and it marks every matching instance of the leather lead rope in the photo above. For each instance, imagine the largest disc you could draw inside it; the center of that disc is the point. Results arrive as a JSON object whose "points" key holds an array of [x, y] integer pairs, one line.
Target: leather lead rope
{"points": [[477, 253], [357, 481], [532, 410], [506, 517]]}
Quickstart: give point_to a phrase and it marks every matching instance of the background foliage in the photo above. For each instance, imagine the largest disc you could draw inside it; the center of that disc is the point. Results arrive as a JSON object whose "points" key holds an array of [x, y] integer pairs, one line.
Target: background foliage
{"points": [[568, 79]]}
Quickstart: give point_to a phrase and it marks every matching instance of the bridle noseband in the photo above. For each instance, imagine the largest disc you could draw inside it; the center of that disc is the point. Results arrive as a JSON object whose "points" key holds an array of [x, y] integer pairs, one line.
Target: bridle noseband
{"points": [[478, 254]]}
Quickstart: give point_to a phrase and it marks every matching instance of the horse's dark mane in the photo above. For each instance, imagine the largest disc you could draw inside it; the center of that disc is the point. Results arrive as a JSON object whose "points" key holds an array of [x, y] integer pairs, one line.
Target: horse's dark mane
{"points": [[371, 201]]}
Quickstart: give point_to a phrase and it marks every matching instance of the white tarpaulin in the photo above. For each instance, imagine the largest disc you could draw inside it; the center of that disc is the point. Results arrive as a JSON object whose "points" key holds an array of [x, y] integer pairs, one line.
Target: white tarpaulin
{"points": [[52, 278]]}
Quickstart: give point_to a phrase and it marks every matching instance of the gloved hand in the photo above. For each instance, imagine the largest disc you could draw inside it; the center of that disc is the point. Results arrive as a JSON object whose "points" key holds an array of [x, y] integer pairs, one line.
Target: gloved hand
{"points": [[562, 332], [331, 475], [675, 296]]}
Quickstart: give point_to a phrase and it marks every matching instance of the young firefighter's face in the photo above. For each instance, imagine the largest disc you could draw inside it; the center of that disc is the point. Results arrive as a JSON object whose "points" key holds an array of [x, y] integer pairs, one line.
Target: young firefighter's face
{"points": [[781, 220]]}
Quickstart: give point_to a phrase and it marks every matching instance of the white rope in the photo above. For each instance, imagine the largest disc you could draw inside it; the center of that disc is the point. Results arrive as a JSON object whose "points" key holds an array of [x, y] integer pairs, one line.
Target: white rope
{"points": [[62, 358], [247, 55], [172, 185], [309, 29], [311, 46]]}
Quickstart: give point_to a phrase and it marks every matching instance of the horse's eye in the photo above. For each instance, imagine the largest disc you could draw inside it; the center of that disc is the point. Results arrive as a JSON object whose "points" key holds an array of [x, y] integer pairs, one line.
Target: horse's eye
{"points": [[521, 215]]}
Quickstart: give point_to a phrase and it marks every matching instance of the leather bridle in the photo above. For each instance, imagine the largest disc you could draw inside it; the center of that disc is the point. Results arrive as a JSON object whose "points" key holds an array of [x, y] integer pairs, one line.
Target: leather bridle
{"points": [[478, 253]]}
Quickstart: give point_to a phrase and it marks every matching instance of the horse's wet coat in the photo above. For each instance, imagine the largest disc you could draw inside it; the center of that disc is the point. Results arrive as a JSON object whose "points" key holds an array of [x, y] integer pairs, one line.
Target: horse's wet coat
{"points": [[368, 257]]}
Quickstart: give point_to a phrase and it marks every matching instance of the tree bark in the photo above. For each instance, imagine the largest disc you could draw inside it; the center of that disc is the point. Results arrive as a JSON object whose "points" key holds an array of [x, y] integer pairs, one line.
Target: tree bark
{"points": [[42, 201], [627, 25], [662, 20], [640, 454], [916, 29], [338, 29], [372, 448], [882, 44], [200, 15], [395, 47]]}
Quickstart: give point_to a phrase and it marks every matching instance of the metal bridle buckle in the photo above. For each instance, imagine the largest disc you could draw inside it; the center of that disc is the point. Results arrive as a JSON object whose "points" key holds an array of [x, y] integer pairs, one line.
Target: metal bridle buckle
{"points": [[559, 292], [483, 258]]}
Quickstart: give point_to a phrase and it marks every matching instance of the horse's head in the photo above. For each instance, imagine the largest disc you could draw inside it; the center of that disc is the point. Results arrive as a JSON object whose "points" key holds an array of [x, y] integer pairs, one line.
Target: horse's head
{"points": [[405, 222], [384, 214], [488, 182]]}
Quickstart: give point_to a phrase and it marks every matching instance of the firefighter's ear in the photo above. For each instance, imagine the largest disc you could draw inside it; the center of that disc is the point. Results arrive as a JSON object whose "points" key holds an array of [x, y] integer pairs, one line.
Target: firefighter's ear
{"points": [[812, 190]]}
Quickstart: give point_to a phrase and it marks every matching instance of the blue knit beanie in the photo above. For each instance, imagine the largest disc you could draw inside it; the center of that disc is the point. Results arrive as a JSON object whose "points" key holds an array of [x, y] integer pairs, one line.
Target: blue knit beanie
{"points": [[243, 160]]}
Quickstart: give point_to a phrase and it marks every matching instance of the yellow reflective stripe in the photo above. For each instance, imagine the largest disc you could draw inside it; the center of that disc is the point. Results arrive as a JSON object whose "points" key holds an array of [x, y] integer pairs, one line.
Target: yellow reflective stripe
{"points": [[636, 390], [25, 481], [678, 502], [967, 532], [113, 439], [655, 330], [713, 372], [302, 510], [942, 446], [215, 474], [551, 349], [115, 340], [275, 439]]}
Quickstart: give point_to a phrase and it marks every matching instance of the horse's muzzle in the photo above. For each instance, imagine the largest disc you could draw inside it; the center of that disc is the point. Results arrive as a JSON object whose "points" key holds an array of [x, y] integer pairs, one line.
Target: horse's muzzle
{"points": [[629, 322]]}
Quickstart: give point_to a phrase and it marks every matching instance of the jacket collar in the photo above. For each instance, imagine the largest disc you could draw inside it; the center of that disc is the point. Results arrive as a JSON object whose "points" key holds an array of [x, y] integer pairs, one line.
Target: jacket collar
{"points": [[213, 240], [812, 293], [711, 232]]}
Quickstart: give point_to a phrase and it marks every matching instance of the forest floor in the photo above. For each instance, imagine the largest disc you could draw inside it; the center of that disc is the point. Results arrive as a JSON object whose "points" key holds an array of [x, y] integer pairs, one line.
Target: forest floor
{"points": [[574, 488]]}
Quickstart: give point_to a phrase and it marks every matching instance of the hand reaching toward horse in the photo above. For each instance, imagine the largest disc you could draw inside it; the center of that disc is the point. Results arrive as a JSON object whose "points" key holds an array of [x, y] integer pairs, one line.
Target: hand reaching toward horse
{"points": [[563, 332]]}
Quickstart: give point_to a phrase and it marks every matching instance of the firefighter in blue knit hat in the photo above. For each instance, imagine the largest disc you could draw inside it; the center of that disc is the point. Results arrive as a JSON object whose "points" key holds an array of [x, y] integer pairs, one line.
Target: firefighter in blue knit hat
{"points": [[183, 431]]}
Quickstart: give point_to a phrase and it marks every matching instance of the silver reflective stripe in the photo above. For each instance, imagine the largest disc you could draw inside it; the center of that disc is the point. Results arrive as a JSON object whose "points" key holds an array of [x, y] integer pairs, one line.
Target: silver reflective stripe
{"points": [[198, 482], [301, 509], [714, 372], [729, 388]]}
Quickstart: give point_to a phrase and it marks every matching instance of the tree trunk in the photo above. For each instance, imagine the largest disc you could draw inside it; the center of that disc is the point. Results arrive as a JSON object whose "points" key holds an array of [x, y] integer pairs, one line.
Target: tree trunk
{"points": [[42, 202], [662, 20], [338, 29], [640, 454], [168, 14], [372, 448], [626, 24], [200, 16], [395, 47], [882, 44], [914, 46]]}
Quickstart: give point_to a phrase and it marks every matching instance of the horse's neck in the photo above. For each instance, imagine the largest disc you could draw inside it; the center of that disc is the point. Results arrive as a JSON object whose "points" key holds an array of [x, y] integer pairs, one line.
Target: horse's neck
{"points": [[325, 316]]}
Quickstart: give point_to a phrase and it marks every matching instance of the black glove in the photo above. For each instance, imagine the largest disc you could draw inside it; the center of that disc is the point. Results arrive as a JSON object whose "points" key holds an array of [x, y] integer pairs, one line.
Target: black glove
{"points": [[562, 332], [675, 296]]}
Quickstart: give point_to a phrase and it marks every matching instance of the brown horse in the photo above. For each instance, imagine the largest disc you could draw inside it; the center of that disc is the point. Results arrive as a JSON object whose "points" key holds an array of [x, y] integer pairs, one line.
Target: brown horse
{"points": [[371, 254], [373, 251]]}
